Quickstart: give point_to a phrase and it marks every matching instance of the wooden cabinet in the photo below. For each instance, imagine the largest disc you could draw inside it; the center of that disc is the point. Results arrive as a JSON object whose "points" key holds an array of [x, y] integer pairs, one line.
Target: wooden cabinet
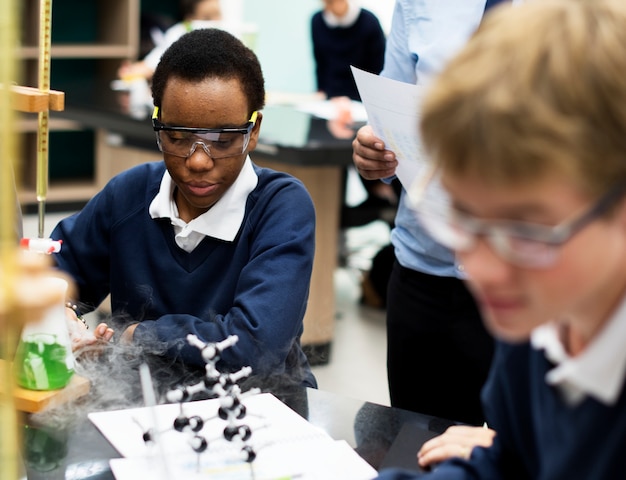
{"points": [[89, 41]]}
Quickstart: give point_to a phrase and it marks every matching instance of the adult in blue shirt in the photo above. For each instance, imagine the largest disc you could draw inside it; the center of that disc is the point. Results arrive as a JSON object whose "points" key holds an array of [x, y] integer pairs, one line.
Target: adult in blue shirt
{"points": [[438, 351], [204, 242]]}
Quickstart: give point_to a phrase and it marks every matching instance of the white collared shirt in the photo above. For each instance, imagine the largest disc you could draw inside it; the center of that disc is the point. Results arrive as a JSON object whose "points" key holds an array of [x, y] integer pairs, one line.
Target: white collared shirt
{"points": [[346, 20], [599, 371], [222, 221]]}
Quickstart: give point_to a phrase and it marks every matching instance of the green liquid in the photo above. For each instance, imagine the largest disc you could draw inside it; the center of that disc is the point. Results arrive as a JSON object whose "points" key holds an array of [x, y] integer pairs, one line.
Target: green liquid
{"points": [[42, 363]]}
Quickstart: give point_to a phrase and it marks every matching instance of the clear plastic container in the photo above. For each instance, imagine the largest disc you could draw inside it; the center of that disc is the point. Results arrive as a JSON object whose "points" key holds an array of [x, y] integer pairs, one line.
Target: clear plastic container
{"points": [[44, 358]]}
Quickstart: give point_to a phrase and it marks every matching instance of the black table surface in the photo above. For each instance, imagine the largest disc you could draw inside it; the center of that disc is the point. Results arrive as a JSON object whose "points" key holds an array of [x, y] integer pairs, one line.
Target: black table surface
{"points": [[77, 450], [287, 134]]}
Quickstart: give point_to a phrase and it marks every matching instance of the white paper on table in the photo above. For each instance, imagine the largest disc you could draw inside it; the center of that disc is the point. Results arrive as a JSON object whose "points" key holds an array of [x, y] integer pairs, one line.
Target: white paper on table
{"points": [[286, 444], [393, 113], [124, 428], [315, 459]]}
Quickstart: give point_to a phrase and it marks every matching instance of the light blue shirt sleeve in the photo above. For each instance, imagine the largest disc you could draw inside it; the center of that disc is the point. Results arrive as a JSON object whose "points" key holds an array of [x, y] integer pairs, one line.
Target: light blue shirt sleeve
{"points": [[424, 35]]}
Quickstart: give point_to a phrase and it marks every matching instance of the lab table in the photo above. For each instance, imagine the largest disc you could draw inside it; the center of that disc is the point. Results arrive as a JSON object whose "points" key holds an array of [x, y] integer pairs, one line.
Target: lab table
{"points": [[383, 436]]}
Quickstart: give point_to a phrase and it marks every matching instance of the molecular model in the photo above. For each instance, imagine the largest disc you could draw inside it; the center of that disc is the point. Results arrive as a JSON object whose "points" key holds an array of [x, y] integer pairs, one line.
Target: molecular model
{"points": [[217, 385]]}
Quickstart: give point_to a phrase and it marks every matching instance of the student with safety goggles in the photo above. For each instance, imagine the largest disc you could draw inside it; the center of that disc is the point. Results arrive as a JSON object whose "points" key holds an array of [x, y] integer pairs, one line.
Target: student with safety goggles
{"points": [[204, 242]]}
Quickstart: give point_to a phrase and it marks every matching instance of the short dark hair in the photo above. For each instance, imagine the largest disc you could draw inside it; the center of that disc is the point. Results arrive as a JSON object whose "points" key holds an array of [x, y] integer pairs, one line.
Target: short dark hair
{"points": [[211, 53]]}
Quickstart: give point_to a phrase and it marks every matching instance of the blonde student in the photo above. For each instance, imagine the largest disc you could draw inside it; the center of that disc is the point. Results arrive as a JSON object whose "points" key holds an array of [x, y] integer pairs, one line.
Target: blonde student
{"points": [[527, 130]]}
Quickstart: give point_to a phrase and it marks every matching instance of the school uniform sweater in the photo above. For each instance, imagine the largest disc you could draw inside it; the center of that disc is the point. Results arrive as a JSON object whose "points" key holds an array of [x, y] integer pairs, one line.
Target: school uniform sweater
{"points": [[255, 287], [335, 48], [539, 435]]}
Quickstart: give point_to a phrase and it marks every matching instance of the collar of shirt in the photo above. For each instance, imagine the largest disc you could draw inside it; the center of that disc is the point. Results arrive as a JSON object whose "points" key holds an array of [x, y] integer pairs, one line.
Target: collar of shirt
{"points": [[222, 221], [345, 21], [599, 371]]}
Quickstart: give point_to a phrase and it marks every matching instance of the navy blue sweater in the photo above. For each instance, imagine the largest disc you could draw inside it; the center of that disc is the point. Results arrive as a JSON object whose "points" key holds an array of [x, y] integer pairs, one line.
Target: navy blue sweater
{"points": [[539, 436], [255, 287], [336, 48]]}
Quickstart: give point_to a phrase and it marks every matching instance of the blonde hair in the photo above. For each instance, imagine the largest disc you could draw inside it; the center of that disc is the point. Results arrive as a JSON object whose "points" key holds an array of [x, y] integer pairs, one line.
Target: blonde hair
{"points": [[539, 89]]}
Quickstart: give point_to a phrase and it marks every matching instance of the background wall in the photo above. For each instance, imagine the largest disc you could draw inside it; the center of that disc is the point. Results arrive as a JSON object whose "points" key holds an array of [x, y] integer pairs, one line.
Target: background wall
{"points": [[283, 41]]}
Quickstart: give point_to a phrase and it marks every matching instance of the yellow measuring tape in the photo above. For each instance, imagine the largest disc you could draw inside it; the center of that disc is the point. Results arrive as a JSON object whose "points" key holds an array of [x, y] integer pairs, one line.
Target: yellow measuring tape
{"points": [[43, 136]]}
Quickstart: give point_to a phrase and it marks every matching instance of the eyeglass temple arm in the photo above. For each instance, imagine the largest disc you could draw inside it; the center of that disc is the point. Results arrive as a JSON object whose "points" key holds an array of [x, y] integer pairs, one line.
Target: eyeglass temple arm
{"points": [[602, 206]]}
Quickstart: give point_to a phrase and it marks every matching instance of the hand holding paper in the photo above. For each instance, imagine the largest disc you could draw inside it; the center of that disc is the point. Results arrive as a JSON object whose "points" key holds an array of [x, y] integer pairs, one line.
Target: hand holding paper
{"points": [[393, 113]]}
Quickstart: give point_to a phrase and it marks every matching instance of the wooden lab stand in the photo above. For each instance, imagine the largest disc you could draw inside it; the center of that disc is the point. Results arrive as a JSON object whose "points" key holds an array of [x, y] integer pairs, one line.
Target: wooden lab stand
{"points": [[33, 401], [33, 100]]}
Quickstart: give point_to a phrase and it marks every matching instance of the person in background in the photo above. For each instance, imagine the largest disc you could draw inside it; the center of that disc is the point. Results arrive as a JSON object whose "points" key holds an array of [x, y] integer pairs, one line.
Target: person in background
{"points": [[195, 14], [526, 134], [433, 323], [343, 34], [205, 242]]}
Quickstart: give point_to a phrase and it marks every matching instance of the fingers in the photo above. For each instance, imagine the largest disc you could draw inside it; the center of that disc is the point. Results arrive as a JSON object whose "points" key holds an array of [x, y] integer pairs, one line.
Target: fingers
{"points": [[456, 441], [131, 71], [103, 332], [339, 129], [370, 157], [84, 340], [441, 453], [80, 341]]}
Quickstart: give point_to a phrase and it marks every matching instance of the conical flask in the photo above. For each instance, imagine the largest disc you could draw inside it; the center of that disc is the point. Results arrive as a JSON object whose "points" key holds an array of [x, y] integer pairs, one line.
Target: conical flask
{"points": [[44, 358]]}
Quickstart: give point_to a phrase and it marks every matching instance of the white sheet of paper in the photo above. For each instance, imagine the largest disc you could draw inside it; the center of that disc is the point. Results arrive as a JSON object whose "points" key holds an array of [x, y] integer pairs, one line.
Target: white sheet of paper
{"points": [[319, 459], [124, 428], [286, 444], [393, 112]]}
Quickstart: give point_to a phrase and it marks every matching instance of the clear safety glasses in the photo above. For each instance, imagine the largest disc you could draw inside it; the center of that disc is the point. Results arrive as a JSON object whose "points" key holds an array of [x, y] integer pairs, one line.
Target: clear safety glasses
{"points": [[523, 244], [216, 142]]}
